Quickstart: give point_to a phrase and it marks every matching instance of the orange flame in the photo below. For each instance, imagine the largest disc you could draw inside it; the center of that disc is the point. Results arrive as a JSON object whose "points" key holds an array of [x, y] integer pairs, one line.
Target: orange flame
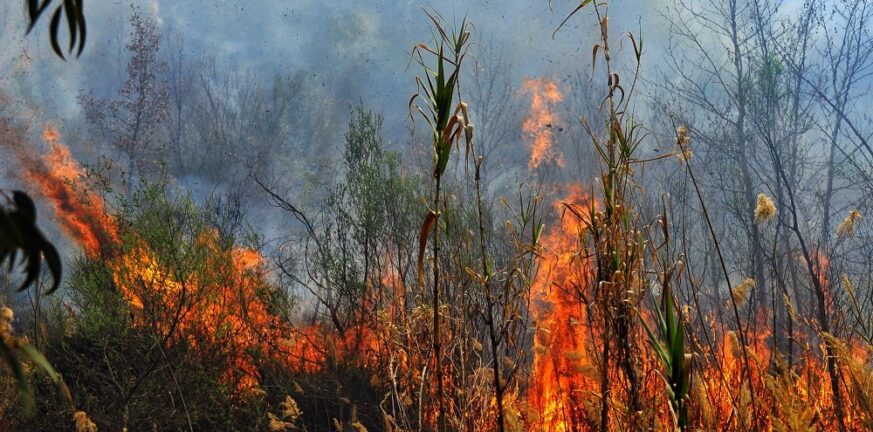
{"points": [[561, 344], [80, 212], [539, 124], [226, 307], [223, 306]]}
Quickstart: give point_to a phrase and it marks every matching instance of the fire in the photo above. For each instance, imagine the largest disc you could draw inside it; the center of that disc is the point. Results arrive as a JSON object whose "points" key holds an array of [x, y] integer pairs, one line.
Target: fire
{"points": [[564, 391], [220, 303], [538, 127], [820, 264], [57, 174], [223, 303], [563, 362]]}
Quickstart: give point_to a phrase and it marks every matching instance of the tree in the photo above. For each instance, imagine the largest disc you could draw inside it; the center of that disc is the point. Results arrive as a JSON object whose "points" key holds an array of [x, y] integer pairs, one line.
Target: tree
{"points": [[491, 96], [133, 118], [180, 79], [364, 230], [848, 61], [749, 95]]}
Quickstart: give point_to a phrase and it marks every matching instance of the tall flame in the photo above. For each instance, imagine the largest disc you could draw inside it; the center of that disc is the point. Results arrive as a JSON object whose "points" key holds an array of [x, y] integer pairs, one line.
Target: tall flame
{"points": [[538, 127], [230, 311], [561, 350]]}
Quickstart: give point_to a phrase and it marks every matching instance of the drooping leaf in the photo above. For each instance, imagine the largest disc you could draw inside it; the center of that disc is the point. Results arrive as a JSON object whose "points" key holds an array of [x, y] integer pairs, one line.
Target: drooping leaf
{"points": [[20, 234], [582, 4], [53, 28], [40, 361], [72, 11]]}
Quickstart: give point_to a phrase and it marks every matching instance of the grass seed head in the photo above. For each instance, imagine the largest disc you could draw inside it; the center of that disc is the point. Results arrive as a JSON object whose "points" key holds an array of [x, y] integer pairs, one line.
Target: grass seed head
{"points": [[765, 210], [847, 227]]}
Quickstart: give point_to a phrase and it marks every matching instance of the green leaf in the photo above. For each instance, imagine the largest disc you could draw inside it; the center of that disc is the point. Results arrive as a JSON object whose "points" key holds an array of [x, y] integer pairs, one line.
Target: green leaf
{"points": [[662, 354], [40, 361]]}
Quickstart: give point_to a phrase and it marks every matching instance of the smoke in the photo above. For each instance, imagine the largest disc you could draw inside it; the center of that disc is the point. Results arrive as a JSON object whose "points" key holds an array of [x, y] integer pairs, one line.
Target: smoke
{"points": [[356, 50], [342, 52]]}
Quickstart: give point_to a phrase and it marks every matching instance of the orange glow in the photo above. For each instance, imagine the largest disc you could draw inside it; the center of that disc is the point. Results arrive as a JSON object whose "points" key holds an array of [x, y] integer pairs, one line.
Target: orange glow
{"points": [[225, 304], [220, 303], [538, 127], [80, 212], [563, 360]]}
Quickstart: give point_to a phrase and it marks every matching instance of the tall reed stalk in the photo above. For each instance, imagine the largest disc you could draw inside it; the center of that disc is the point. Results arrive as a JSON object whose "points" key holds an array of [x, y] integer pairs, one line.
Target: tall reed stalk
{"points": [[447, 121]]}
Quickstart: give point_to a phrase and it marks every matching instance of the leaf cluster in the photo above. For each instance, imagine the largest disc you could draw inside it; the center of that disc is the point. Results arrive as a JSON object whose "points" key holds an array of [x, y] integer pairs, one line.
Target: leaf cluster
{"points": [[439, 87], [19, 234], [70, 10], [669, 345]]}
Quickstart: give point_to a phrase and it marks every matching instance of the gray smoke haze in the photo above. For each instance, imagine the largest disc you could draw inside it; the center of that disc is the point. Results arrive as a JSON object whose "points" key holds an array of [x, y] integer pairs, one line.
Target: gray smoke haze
{"points": [[355, 50], [350, 51], [342, 51]]}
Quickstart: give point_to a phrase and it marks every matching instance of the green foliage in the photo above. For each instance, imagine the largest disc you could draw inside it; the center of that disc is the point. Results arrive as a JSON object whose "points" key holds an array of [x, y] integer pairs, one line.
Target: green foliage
{"points": [[439, 87], [369, 216], [669, 344], [131, 368], [74, 13]]}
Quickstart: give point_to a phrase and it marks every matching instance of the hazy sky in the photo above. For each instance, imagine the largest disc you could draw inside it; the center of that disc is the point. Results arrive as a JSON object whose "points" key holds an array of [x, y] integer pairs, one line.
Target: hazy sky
{"points": [[357, 49]]}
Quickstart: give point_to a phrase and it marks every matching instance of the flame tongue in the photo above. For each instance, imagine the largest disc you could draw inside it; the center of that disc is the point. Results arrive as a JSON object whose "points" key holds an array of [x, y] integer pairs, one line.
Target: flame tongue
{"points": [[538, 127], [80, 213], [231, 312], [561, 350], [221, 307]]}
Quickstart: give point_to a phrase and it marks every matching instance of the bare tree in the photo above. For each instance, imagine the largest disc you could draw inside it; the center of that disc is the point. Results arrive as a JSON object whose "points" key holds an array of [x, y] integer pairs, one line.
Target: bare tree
{"points": [[180, 77], [133, 118], [847, 57], [711, 54], [492, 95]]}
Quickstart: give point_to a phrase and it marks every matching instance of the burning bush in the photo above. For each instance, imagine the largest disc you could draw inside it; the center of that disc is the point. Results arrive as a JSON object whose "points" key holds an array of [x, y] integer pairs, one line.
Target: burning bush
{"points": [[181, 316]]}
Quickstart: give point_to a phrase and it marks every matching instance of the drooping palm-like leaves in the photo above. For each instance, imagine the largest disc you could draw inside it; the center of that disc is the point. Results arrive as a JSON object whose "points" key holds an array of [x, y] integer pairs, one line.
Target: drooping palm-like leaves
{"points": [[19, 234], [72, 11]]}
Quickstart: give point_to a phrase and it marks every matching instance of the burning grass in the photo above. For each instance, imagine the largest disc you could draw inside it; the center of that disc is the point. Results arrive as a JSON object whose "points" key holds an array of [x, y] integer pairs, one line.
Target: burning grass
{"points": [[198, 287], [582, 324]]}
